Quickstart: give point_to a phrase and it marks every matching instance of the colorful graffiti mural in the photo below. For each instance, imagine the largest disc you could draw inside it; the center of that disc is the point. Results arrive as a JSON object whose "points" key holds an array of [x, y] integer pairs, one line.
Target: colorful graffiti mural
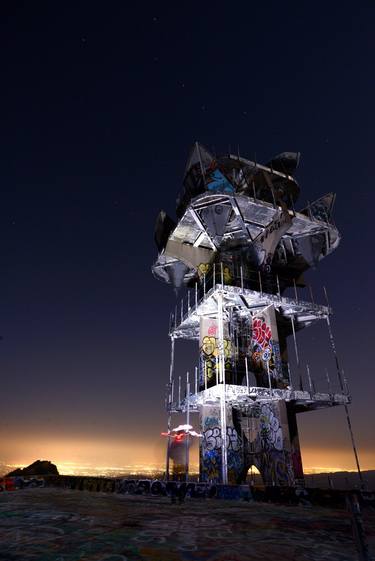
{"points": [[265, 349], [211, 446], [273, 448], [267, 442], [227, 275], [216, 181], [18, 482], [209, 353], [256, 436]]}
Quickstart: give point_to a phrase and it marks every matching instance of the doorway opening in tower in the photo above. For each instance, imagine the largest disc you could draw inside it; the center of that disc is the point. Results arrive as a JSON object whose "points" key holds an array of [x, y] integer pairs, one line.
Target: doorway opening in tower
{"points": [[254, 477], [237, 256]]}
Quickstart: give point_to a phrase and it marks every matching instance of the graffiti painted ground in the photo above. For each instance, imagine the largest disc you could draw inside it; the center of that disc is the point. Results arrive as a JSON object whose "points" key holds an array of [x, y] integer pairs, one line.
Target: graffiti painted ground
{"points": [[64, 525]]}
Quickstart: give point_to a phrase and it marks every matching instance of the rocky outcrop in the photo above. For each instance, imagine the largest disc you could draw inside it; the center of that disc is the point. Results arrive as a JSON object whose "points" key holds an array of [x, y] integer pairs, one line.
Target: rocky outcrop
{"points": [[40, 467]]}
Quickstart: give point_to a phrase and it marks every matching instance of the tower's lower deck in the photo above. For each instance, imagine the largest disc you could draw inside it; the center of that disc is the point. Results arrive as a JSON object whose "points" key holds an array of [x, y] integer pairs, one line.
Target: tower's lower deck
{"points": [[243, 427], [242, 336], [242, 397]]}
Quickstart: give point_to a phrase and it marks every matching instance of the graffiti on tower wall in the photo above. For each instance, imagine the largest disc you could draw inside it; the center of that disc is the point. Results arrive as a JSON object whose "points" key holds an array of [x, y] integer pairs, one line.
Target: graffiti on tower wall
{"points": [[210, 456], [234, 453], [210, 351], [257, 436], [266, 442], [211, 446], [274, 444], [265, 349]]}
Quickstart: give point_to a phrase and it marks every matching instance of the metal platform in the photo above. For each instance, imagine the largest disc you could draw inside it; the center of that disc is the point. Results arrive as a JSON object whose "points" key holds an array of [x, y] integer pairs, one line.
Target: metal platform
{"points": [[186, 324], [243, 397], [250, 217]]}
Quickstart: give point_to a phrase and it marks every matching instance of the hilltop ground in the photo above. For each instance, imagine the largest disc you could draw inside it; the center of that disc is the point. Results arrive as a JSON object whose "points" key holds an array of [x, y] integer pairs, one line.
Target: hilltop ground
{"points": [[66, 525]]}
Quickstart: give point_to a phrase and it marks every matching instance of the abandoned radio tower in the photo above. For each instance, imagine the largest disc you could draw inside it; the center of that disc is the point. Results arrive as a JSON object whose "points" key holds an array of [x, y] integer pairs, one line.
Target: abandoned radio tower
{"points": [[240, 248]]}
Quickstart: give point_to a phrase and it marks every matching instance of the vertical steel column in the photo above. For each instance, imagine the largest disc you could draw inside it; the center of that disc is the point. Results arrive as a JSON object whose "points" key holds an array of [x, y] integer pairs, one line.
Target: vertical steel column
{"points": [[187, 423], [247, 375], [311, 294], [309, 379], [328, 381], [269, 376], [260, 283], [254, 193], [346, 388], [171, 368], [290, 376], [292, 204], [296, 352], [295, 289], [354, 446], [278, 286], [237, 351], [348, 420], [333, 347], [223, 412]]}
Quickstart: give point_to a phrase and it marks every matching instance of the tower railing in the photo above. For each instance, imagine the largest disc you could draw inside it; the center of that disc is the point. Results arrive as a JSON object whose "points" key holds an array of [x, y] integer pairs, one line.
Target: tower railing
{"points": [[266, 284]]}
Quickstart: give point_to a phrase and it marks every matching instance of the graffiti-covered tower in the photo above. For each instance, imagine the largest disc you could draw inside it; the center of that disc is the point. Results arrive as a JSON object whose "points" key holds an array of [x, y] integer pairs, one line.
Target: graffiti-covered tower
{"points": [[239, 249]]}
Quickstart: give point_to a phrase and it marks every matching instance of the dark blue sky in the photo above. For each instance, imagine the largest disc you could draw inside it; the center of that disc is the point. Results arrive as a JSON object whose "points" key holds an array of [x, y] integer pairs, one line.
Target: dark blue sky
{"points": [[100, 103]]}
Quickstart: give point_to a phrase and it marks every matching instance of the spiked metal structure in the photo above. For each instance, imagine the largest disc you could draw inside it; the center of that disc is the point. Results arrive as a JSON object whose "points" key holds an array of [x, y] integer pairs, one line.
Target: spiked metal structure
{"points": [[240, 248]]}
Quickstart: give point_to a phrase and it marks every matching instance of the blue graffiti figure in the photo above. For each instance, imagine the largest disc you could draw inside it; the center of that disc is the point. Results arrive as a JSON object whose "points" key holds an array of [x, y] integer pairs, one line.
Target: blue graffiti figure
{"points": [[218, 182]]}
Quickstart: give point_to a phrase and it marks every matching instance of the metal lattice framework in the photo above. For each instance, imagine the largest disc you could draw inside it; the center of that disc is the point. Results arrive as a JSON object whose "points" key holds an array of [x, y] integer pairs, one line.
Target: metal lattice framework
{"points": [[238, 247]]}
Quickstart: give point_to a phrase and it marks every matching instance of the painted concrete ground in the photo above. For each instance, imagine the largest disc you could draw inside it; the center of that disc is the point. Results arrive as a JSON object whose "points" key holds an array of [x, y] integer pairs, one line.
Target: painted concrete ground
{"points": [[64, 525]]}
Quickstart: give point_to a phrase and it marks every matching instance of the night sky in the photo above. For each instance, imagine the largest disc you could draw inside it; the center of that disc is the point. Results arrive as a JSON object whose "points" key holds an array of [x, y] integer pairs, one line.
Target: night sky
{"points": [[100, 103]]}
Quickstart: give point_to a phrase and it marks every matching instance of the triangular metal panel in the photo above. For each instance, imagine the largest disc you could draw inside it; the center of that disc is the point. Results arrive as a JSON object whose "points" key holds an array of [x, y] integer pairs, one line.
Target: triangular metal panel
{"points": [[215, 219]]}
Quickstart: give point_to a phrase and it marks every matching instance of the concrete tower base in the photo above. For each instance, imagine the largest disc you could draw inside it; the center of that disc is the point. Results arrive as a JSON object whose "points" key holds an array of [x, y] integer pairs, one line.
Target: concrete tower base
{"points": [[263, 434]]}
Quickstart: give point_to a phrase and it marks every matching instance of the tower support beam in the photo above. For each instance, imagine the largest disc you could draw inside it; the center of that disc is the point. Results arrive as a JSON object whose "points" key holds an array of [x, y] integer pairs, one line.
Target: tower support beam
{"points": [[223, 411]]}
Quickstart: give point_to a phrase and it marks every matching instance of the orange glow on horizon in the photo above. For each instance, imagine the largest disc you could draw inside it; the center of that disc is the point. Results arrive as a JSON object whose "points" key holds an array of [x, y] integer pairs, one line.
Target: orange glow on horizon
{"points": [[116, 456], [316, 460]]}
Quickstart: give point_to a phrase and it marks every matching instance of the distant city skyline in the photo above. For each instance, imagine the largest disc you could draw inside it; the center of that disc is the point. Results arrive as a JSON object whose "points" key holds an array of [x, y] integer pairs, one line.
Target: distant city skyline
{"points": [[78, 458]]}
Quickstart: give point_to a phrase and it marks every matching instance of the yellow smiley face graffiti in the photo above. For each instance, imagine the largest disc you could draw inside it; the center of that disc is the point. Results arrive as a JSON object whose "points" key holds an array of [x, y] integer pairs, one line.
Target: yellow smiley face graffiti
{"points": [[227, 275], [209, 346], [211, 349], [204, 268]]}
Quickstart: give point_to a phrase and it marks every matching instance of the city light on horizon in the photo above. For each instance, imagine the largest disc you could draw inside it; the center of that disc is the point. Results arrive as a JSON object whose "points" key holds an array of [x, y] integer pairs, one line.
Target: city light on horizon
{"points": [[74, 456], [72, 468]]}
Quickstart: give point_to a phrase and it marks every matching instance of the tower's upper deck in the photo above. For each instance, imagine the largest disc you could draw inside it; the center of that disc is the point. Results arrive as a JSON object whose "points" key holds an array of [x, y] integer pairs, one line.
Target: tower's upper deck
{"points": [[242, 213]]}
